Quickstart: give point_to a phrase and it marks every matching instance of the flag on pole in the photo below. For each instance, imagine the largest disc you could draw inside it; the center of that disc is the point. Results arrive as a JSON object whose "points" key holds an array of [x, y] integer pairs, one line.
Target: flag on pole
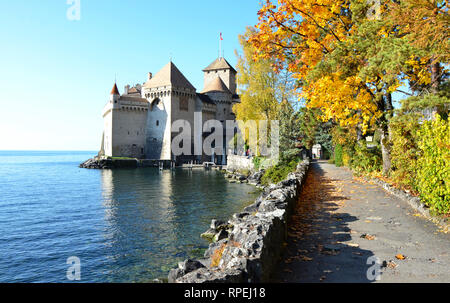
{"points": [[221, 36]]}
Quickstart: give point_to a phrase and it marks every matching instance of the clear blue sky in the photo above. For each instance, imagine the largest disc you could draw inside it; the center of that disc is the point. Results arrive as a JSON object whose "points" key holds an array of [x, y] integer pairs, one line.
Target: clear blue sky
{"points": [[56, 74]]}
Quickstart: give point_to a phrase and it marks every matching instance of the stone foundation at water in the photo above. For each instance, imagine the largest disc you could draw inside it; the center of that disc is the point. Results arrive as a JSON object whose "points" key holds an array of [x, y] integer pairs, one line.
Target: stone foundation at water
{"points": [[249, 245]]}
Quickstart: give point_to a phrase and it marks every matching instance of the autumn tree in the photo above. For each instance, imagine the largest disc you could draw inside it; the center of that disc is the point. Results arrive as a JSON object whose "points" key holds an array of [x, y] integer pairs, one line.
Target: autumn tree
{"points": [[348, 61], [425, 26], [261, 89]]}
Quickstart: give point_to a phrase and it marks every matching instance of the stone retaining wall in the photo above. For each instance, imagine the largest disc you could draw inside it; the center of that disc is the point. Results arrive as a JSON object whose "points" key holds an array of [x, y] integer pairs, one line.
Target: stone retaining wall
{"points": [[237, 163], [255, 238]]}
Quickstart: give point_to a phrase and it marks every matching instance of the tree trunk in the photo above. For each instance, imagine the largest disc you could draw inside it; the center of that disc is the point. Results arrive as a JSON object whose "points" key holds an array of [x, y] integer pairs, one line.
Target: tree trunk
{"points": [[385, 137], [385, 150], [435, 77], [435, 82]]}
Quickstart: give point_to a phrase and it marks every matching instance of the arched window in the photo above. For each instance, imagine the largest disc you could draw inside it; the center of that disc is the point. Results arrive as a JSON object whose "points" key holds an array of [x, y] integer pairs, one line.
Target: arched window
{"points": [[155, 102], [157, 122]]}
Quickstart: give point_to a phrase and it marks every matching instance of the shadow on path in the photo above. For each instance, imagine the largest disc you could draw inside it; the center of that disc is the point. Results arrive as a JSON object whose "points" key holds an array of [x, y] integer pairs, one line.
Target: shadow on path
{"points": [[318, 248]]}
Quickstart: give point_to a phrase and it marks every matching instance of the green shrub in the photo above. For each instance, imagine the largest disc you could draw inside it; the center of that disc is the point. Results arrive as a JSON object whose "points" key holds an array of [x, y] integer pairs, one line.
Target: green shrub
{"points": [[404, 150], [433, 168], [366, 160], [257, 162], [278, 172], [338, 153]]}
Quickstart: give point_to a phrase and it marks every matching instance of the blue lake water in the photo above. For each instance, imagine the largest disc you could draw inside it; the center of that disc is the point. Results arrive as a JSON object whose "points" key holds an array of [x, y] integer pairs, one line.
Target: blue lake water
{"points": [[127, 225]]}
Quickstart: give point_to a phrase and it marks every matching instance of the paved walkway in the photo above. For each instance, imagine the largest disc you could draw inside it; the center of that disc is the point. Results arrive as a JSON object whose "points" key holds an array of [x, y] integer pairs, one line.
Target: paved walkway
{"points": [[340, 222]]}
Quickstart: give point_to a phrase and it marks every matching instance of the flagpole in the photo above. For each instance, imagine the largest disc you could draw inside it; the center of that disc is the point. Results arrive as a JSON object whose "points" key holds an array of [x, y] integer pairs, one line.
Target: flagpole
{"points": [[220, 45]]}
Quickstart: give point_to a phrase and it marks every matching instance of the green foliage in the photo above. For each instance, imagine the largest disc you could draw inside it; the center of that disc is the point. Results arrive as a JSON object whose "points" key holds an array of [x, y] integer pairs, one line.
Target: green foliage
{"points": [[420, 158], [309, 124], [404, 149], [290, 128], [365, 159], [433, 168], [338, 155], [324, 138], [439, 100], [257, 162], [279, 172]]}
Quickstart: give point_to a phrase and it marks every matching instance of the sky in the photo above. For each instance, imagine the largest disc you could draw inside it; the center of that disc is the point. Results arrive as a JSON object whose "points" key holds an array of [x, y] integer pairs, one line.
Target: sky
{"points": [[56, 73]]}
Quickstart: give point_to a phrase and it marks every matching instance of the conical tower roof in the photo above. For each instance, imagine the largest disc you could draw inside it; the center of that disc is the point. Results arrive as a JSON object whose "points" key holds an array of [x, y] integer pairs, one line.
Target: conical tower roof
{"points": [[216, 85], [219, 63], [115, 90], [169, 75]]}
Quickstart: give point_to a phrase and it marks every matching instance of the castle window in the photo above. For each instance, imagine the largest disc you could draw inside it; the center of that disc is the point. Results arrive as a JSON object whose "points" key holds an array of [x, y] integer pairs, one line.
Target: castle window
{"points": [[157, 122], [184, 103]]}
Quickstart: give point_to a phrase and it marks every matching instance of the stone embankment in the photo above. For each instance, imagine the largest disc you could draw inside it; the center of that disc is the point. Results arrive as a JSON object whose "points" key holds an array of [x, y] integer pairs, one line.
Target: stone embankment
{"points": [[243, 177], [247, 247]]}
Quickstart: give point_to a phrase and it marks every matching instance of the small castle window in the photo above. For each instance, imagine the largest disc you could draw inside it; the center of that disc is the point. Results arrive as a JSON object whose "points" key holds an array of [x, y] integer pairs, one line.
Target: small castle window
{"points": [[157, 122]]}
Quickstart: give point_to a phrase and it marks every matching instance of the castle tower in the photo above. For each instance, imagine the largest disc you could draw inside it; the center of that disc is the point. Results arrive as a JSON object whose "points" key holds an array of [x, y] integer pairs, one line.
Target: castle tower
{"points": [[220, 67], [124, 120], [172, 97], [114, 97]]}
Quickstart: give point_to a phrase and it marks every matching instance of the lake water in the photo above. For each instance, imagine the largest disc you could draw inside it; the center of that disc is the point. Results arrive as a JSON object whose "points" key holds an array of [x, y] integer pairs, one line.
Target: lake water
{"points": [[127, 225]]}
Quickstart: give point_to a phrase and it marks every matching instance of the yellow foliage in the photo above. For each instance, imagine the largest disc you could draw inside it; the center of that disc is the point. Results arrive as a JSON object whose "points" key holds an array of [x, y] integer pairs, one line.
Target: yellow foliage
{"points": [[346, 101]]}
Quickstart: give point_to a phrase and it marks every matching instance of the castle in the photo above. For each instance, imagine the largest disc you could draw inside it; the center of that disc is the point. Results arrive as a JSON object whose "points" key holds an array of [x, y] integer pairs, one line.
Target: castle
{"points": [[138, 123]]}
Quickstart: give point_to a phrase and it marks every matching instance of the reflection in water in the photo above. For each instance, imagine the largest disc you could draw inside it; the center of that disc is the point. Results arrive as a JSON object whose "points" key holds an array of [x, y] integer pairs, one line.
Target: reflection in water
{"points": [[153, 218], [124, 225]]}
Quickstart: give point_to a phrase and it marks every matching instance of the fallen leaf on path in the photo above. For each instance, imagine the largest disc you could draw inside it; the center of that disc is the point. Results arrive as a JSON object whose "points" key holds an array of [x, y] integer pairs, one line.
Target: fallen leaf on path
{"points": [[368, 237], [391, 264], [400, 257]]}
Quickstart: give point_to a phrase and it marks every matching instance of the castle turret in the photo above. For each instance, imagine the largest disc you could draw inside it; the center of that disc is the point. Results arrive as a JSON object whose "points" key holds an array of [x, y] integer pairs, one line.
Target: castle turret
{"points": [[114, 95], [221, 68]]}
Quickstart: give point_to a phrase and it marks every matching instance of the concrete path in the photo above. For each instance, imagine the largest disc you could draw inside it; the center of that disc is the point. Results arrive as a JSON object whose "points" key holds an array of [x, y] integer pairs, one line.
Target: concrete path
{"points": [[341, 225]]}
